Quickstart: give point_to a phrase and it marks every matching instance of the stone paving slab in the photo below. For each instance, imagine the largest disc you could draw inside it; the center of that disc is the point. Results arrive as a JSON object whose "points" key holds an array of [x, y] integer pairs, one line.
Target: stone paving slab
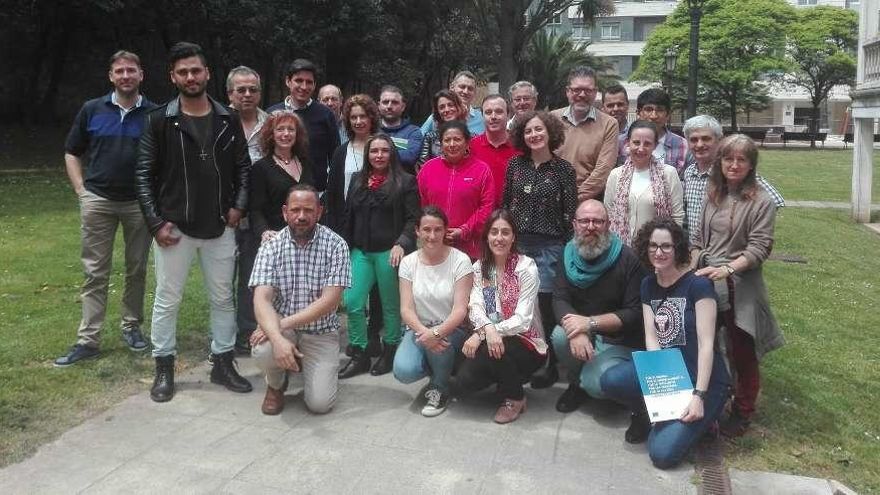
{"points": [[209, 440]]}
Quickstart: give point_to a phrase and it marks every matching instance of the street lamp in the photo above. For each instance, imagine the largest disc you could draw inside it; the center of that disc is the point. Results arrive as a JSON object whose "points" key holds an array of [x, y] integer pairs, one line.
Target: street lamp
{"points": [[670, 59]]}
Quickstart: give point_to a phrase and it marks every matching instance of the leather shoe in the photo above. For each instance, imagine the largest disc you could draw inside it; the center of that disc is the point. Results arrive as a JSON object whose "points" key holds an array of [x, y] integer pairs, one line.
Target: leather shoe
{"points": [[509, 410], [571, 399], [545, 377], [358, 364], [273, 402], [639, 428]]}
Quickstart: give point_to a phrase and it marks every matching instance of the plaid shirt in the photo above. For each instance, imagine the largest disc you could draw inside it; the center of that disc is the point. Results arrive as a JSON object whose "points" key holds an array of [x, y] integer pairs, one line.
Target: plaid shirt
{"points": [[676, 151], [299, 273], [695, 194]]}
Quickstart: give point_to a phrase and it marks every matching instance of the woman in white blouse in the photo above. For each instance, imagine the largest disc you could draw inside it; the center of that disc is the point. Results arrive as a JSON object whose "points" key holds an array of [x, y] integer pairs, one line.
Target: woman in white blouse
{"points": [[507, 344], [434, 285], [643, 188]]}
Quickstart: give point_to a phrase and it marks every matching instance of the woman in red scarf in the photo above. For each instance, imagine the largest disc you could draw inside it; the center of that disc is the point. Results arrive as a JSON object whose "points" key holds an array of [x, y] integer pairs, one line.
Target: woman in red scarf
{"points": [[643, 188], [381, 209], [507, 345]]}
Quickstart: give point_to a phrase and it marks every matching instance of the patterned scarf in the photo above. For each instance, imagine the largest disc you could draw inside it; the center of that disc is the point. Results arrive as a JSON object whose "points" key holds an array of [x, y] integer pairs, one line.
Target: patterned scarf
{"points": [[509, 295], [376, 180], [620, 211]]}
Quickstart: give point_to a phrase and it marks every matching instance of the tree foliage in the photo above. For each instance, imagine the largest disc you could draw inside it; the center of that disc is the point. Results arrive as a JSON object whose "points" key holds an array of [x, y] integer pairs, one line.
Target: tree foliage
{"points": [[821, 51], [548, 60], [741, 43]]}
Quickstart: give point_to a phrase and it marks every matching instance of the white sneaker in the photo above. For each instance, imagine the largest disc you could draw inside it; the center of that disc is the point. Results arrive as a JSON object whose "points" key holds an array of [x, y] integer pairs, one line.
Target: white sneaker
{"points": [[436, 404]]}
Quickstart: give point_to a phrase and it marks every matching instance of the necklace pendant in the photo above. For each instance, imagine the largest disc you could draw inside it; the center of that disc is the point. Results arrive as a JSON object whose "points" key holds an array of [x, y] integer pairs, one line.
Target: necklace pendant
{"points": [[527, 189], [203, 156]]}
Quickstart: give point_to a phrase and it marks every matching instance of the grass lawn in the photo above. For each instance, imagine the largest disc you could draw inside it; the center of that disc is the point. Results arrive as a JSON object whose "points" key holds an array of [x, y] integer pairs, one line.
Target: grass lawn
{"points": [[39, 312], [820, 175], [817, 415]]}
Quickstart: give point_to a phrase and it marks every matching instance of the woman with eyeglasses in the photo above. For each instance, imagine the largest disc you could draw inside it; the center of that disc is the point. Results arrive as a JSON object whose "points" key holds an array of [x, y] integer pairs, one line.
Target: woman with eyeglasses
{"points": [[643, 188], [679, 311], [540, 191], [736, 237]]}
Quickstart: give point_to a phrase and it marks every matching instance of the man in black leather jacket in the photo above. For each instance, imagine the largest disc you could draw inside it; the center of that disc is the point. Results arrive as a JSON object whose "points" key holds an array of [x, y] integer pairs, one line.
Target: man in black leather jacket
{"points": [[192, 184]]}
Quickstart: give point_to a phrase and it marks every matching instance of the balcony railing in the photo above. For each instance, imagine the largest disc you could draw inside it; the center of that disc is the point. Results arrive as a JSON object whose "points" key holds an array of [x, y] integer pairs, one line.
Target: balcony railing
{"points": [[872, 63]]}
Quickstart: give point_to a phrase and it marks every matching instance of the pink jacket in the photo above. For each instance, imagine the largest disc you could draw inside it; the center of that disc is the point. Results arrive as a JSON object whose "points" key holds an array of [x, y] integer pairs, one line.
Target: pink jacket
{"points": [[464, 192]]}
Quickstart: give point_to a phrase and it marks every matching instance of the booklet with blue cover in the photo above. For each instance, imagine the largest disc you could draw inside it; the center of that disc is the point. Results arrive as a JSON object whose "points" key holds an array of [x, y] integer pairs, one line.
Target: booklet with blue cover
{"points": [[666, 384]]}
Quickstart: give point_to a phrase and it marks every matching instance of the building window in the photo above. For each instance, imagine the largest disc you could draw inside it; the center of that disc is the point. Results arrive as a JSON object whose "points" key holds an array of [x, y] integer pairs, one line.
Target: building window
{"points": [[581, 32], [555, 20], [807, 2], [611, 31]]}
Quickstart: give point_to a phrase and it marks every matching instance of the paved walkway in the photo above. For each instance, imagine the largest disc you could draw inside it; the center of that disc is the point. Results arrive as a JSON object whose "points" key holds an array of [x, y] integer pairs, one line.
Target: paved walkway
{"points": [[208, 440]]}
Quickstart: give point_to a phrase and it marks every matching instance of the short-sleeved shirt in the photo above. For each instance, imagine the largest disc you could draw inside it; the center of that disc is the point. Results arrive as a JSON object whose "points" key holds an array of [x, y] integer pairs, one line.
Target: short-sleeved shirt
{"points": [[433, 286], [299, 273], [676, 320]]}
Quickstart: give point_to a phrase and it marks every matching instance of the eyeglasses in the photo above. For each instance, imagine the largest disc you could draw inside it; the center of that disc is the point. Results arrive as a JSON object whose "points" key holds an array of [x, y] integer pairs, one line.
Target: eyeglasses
{"points": [[665, 248], [523, 99], [582, 91], [247, 89], [586, 222]]}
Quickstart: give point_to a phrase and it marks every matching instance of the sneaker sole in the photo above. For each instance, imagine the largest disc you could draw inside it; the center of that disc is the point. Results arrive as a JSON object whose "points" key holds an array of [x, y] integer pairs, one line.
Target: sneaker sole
{"points": [[433, 413], [59, 365]]}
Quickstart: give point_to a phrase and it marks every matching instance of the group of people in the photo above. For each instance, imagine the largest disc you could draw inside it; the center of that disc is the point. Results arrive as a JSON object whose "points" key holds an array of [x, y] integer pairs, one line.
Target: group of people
{"points": [[481, 249]]}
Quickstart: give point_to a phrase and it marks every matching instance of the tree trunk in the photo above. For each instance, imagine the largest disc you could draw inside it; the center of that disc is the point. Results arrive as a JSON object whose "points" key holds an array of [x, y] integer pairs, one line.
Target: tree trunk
{"points": [[58, 59], [508, 65], [732, 101], [814, 124]]}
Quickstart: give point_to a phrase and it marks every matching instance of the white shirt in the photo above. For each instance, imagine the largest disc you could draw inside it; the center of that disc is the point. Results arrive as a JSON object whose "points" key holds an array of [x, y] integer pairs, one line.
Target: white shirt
{"points": [[433, 286], [354, 162]]}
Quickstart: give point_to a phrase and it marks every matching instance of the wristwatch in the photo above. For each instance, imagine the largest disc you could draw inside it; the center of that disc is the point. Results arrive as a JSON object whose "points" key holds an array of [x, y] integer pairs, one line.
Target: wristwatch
{"points": [[481, 334], [435, 332], [700, 393], [594, 326], [729, 269]]}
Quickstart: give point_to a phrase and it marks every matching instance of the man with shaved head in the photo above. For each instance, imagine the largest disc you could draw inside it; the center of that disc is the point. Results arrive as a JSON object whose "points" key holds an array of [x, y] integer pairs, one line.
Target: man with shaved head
{"points": [[596, 298]]}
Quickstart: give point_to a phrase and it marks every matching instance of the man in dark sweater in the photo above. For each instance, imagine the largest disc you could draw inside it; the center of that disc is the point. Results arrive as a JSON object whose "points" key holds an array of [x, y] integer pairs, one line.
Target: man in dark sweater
{"points": [[192, 181], [597, 300], [100, 155], [319, 120]]}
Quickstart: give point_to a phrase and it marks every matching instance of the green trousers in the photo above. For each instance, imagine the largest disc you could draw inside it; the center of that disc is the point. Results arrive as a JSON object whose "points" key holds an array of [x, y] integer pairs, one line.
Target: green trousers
{"points": [[368, 269]]}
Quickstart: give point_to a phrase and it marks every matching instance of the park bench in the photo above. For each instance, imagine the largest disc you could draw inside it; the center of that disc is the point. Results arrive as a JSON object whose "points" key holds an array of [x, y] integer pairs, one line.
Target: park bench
{"points": [[803, 136], [848, 138], [757, 134]]}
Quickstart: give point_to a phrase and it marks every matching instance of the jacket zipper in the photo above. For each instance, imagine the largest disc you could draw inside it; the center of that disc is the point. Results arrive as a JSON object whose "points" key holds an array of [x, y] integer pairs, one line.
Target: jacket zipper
{"points": [[185, 176], [217, 169]]}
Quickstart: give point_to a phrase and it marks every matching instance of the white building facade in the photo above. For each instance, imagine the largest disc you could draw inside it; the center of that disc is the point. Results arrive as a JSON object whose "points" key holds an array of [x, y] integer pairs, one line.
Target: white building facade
{"points": [[865, 108]]}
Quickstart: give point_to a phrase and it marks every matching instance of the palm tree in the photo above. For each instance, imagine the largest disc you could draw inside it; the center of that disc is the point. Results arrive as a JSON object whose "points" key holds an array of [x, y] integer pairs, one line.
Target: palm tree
{"points": [[548, 60]]}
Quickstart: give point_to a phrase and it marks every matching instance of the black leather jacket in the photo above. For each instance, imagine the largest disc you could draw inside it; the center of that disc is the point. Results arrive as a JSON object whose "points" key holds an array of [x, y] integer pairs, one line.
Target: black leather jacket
{"points": [[165, 177]]}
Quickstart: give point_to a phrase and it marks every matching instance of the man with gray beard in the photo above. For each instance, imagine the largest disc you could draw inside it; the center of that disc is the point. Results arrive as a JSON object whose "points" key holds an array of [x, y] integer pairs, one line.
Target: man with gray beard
{"points": [[597, 299]]}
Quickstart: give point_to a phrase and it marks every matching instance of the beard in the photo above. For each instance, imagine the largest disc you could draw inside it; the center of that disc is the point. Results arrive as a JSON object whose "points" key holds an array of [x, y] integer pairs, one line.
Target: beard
{"points": [[193, 93], [591, 247]]}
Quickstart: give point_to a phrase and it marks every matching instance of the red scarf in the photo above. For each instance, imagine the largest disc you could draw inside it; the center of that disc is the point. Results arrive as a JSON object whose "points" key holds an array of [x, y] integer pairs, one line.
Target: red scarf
{"points": [[375, 181]]}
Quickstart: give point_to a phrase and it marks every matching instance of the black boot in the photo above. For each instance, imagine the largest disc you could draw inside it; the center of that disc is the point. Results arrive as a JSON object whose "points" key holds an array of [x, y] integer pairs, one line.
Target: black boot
{"points": [[639, 427], [359, 363], [385, 362], [163, 384], [224, 373]]}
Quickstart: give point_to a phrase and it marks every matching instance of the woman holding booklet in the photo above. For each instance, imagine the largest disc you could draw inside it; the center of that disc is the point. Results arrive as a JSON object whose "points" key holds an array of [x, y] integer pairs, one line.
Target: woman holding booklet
{"points": [[679, 310]]}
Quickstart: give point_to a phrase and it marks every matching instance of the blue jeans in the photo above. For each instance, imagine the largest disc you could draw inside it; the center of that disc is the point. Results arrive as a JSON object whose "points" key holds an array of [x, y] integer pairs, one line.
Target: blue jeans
{"points": [[588, 373], [413, 362], [669, 441]]}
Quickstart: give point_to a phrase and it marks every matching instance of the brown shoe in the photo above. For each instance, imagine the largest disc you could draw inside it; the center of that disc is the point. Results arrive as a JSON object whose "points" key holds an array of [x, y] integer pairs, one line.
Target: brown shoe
{"points": [[509, 410], [273, 402]]}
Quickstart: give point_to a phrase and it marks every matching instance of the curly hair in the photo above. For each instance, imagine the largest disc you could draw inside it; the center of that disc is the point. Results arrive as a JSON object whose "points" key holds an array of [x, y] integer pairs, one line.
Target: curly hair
{"points": [[681, 248], [370, 108], [717, 188], [267, 134], [555, 130]]}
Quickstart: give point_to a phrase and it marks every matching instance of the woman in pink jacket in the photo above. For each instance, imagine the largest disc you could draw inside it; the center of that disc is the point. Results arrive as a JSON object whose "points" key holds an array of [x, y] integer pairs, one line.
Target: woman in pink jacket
{"points": [[461, 186]]}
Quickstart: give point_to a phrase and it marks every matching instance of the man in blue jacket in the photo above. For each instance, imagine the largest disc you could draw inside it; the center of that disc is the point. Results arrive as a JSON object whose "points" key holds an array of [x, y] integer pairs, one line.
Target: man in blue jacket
{"points": [[407, 137], [100, 156]]}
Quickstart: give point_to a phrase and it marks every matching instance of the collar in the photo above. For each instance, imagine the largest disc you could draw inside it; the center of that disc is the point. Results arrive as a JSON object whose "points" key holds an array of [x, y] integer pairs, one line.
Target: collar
{"points": [[484, 137], [591, 115], [403, 123], [172, 109], [693, 170], [137, 103], [288, 104]]}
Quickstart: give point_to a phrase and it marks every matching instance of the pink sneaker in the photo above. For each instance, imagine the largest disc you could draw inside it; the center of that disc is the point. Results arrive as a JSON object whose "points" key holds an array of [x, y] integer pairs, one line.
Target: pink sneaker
{"points": [[509, 410]]}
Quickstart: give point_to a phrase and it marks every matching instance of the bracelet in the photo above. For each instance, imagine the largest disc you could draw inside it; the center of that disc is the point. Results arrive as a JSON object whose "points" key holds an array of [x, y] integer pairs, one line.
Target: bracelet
{"points": [[700, 393]]}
